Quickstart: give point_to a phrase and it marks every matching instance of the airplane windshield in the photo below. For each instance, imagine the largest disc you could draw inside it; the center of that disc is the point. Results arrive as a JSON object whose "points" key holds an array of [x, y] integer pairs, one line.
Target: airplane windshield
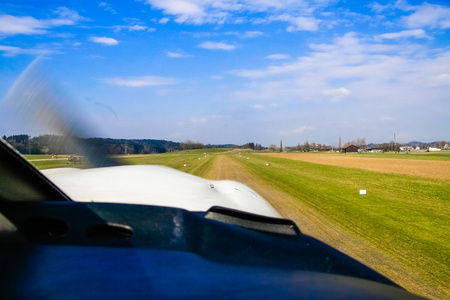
{"points": [[333, 114]]}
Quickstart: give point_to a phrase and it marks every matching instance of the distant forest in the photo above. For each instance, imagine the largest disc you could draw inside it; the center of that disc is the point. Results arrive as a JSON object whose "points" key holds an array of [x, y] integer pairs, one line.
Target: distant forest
{"points": [[56, 144]]}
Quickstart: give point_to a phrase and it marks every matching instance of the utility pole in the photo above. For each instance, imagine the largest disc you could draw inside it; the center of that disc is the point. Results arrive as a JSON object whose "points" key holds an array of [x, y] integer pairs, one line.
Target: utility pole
{"points": [[394, 144], [281, 145]]}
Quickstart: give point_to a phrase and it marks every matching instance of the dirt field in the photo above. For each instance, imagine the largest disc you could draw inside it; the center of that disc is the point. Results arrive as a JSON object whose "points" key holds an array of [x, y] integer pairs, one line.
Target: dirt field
{"points": [[314, 224], [424, 168]]}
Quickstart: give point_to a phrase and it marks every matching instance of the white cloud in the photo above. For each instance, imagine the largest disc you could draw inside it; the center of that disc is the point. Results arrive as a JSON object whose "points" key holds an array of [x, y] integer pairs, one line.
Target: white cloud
{"points": [[367, 75], [386, 118], [378, 8], [186, 10], [202, 119], [302, 129], [216, 46], [12, 25], [441, 80], [416, 33], [269, 71], [252, 34], [130, 28], [297, 130], [299, 23], [347, 51], [13, 51], [299, 14], [245, 34], [258, 106], [140, 81], [66, 16], [104, 40], [177, 55], [163, 20], [137, 28], [197, 120], [216, 77], [338, 94], [107, 7], [278, 56], [428, 15]]}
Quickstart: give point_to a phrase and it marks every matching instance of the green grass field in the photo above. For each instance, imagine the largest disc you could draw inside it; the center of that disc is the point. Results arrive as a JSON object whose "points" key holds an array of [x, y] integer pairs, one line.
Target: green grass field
{"points": [[189, 161], [37, 156], [404, 217], [195, 160], [42, 162]]}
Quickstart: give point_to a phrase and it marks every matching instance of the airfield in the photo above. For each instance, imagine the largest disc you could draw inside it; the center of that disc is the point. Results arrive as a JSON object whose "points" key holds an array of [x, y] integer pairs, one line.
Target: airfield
{"points": [[399, 226]]}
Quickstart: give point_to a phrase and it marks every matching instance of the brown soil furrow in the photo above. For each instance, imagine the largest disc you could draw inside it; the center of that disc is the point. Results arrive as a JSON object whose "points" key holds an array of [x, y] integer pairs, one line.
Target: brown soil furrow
{"points": [[424, 168]]}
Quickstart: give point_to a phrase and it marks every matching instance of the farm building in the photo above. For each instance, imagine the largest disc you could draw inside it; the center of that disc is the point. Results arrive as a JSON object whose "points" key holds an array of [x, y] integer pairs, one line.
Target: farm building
{"points": [[325, 148], [406, 148], [375, 148], [350, 148]]}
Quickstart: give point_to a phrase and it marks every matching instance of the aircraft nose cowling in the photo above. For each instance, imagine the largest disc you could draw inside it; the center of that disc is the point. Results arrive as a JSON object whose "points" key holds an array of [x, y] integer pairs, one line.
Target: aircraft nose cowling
{"points": [[157, 185]]}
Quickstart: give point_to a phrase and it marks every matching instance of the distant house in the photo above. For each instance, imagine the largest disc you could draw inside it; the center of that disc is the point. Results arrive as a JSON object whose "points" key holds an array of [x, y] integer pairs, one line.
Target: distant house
{"points": [[325, 148], [375, 148], [350, 148], [406, 148]]}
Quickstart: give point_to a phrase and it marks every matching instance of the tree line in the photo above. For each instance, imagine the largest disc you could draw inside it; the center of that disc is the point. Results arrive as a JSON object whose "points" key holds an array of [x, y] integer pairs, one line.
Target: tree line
{"points": [[56, 144]]}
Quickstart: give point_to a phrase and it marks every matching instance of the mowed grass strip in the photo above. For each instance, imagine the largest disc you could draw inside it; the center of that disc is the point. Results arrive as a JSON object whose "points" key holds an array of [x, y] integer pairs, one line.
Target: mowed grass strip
{"points": [[49, 163], [189, 161], [405, 217], [196, 162], [37, 156]]}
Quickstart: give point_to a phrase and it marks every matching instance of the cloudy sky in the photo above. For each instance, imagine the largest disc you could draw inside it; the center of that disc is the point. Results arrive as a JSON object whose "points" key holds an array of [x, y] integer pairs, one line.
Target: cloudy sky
{"points": [[237, 71]]}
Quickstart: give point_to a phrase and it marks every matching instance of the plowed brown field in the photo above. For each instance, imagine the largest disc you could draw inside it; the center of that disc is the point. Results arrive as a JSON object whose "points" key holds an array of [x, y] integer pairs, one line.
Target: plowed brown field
{"points": [[425, 168]]}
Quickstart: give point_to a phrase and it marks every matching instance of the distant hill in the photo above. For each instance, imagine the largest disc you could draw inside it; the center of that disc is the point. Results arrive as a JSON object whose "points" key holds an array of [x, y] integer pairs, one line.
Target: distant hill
{"points": [[413, 143], [222, 146]]}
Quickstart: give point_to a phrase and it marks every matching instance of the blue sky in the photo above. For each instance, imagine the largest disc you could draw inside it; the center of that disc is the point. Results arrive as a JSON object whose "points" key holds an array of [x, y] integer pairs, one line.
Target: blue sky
{"points": [[235, 71]]}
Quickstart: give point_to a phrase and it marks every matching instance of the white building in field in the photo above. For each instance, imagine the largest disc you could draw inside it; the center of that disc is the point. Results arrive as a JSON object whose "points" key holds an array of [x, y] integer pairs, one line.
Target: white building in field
{"points": [[406, 148]]}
